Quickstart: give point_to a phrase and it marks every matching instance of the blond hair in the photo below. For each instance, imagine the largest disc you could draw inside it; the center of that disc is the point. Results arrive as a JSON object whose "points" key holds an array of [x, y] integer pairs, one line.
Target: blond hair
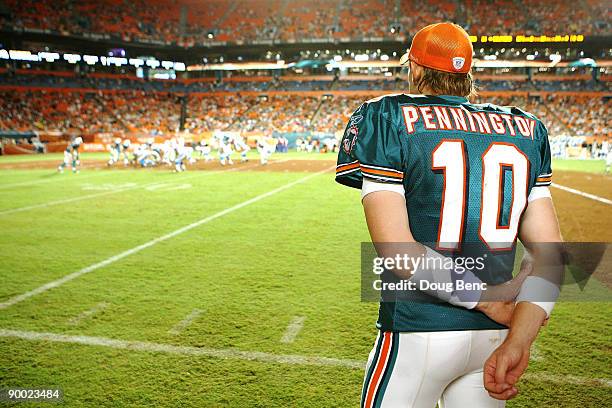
{"points": [[447, 83]]}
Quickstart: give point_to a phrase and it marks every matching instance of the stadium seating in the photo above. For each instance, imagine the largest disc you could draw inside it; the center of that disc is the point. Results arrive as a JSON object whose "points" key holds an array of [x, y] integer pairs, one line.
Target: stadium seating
{"points": [[159, 21], [158, 113]]}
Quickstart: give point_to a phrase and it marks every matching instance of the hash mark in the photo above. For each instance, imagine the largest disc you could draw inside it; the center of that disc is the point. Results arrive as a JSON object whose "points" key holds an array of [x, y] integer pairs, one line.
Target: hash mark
{"points": [[293, 329]]}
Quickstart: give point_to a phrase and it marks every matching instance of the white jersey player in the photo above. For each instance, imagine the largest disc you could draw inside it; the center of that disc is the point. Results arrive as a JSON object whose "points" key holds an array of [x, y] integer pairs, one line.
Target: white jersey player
{"points": [[242, 147], [225, 150], [71, 156], [180, 155], [189, 154], [115, 152], [125, 146], [264, 150], [205, 150], [146, 156]]}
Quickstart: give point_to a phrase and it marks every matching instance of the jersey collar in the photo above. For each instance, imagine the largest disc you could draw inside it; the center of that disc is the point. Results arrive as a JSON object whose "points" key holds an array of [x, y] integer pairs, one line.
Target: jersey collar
{"points": [[453, 98]]}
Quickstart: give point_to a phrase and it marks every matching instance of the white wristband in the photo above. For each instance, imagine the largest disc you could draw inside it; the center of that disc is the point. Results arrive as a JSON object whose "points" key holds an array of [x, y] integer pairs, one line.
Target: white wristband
{"points": [[540, 292]]}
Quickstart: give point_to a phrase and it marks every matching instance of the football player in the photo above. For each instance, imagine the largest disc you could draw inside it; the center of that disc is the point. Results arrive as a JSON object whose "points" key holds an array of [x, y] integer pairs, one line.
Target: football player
{"points": [[225, 150], [125, 151], [264, 150], [180, 155], [115, 152], [204, 148], [71, 156], [443, 180], [242, 147]]}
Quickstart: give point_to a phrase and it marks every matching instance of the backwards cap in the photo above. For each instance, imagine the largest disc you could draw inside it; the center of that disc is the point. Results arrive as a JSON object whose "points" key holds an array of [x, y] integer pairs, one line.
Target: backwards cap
{"points": [[443, 47]]}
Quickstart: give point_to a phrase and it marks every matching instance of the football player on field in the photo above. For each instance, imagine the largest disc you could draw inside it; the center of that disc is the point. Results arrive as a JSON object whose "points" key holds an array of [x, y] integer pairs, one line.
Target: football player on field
{"points": [[71, 156], [441, 179]]}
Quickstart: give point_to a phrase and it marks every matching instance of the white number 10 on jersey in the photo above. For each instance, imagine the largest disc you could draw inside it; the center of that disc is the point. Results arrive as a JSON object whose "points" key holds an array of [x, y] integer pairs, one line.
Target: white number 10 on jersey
{"points": [[450, 158]]}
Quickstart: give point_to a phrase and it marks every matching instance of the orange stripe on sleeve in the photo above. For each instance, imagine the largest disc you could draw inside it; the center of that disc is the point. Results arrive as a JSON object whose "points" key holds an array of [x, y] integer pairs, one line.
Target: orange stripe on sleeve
{"points": [[347, 167], [382, 173]]}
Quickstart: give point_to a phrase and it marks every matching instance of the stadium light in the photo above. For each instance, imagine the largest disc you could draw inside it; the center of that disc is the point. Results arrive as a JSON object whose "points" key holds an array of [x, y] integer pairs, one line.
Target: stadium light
{"points": [[167, 64], [19, 55], [361, 57], [153, 63], [179, 66], [337, 58], [72, 58], [384, 57], [118, 61], [49, 56], [4, 54], [137, 62], [90, 59]]}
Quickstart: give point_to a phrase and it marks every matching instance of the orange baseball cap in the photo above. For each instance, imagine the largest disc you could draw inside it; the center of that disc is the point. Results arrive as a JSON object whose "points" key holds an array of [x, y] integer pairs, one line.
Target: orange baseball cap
{"points": [[442, 46]]}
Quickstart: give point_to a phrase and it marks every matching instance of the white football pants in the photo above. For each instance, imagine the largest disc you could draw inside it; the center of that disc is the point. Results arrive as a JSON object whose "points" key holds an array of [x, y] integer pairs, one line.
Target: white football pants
{"points": [[418, 370]]}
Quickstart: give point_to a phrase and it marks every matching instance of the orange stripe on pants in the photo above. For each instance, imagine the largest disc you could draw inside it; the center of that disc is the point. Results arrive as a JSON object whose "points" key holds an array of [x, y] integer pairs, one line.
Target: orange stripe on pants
{"points": [[380, 365]]}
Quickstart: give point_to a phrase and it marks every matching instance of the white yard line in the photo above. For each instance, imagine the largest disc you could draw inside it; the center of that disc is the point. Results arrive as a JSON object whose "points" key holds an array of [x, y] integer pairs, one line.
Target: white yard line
{"points": [[55, 178], [88, 313], [535, 354], [182, 325], [582, 193], [568, 379], [229, 353], [234, 354], [293, 329], [121, 190], [60, 177], [104, 193], [65, 201], [67, 278]]}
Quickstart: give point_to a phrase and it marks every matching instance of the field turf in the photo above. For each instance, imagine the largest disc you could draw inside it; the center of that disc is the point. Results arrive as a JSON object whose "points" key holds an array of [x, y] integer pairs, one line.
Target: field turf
{"points": [[255, 304]]}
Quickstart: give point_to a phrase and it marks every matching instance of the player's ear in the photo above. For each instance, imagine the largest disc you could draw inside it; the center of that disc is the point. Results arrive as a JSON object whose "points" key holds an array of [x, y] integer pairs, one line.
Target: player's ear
{"points": [[416, 71]]}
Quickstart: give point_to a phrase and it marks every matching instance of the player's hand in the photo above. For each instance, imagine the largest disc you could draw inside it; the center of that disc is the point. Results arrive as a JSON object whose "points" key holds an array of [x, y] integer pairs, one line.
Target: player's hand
{"points": [[504, 368]]}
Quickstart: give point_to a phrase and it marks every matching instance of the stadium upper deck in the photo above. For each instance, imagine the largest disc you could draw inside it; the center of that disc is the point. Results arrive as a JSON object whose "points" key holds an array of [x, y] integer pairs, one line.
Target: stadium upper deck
{"points": [[191, 22]]}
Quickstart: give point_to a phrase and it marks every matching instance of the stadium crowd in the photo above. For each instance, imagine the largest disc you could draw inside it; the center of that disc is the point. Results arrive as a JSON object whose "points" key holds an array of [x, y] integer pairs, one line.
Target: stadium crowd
{"points": [[159, 21], [159, 113], [89, 113]]}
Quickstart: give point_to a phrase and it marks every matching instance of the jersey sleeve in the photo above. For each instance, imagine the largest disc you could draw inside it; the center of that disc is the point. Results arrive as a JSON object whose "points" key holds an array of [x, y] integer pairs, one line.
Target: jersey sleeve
{"points": [[370, 149], [544, 174]]}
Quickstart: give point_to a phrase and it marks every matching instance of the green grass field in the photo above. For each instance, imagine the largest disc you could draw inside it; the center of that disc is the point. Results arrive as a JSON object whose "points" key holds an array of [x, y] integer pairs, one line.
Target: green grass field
{"points": [[197, 318], [587, 166]]}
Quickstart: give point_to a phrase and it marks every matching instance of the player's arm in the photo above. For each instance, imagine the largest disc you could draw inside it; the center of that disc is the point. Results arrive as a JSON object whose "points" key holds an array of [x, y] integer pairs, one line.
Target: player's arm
{"points": [[388, 223], [539, 232]]}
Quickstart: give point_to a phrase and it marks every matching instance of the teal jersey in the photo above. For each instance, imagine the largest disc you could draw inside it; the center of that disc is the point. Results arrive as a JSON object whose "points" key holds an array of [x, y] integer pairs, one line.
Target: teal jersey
{"points": [[467, 171]]}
